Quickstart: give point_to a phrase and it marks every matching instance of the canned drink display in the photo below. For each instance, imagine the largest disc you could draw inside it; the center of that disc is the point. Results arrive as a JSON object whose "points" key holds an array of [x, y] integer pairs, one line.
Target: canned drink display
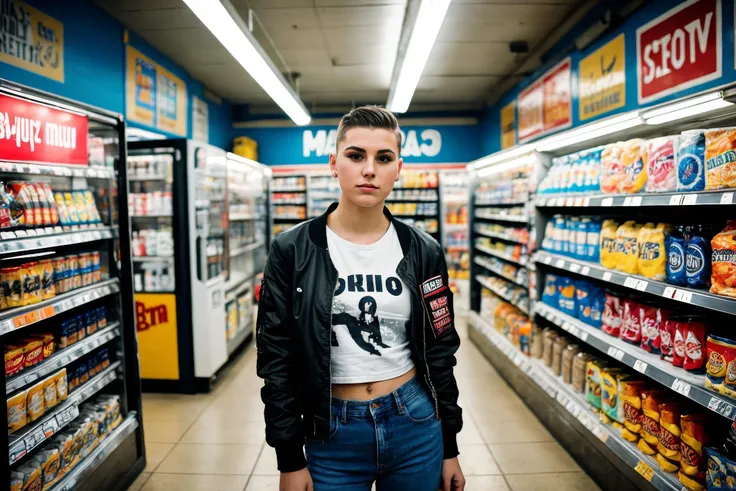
{"points": [[46, 271], [12, 277], [59, 274], [85, 269], [72, 268], [96, 269]]}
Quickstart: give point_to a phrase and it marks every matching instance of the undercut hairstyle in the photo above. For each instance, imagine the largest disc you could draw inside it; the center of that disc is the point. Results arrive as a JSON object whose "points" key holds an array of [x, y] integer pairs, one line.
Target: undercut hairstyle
{"points": [[369, 117]]}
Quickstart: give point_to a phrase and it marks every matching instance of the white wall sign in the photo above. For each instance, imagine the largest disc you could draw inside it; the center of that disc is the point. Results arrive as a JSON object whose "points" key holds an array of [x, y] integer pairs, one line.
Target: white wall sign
{"points": [[200, 120]]}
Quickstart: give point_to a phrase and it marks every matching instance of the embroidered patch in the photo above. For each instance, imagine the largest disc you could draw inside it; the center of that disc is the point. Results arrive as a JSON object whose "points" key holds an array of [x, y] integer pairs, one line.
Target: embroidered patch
{"points": [[440, 313], [442, 325], [438, 303], [433, 285]]}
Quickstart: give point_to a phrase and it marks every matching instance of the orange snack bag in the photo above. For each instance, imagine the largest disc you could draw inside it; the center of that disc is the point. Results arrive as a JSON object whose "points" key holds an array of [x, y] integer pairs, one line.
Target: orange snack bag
{"points": [[633, 161], [36, 406], [650, 420], [633, 415], [34, 353], [50, 396], [669, 435], [723, 275], [14, 359], [17, 411], [720, 158], [692, 461], [611, 168]]}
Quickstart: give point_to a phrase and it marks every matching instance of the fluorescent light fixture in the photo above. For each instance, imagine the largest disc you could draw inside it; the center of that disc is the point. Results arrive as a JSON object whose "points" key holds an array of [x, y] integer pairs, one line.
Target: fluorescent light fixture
{"points": [[506, 166], [245, 49], [689, 111], [423, 34], [141, 134], [661, 111], [500, 157], [542, 145]]}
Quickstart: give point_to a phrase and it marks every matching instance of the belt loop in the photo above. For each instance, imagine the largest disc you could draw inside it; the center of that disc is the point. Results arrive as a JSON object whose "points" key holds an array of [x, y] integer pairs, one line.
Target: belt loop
{"points": [[344, 412], [399, 404]]}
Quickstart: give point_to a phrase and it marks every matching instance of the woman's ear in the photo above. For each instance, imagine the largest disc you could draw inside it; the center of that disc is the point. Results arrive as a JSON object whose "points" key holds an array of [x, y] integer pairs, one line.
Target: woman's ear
{"points": [[333, 165], [401, 165]]}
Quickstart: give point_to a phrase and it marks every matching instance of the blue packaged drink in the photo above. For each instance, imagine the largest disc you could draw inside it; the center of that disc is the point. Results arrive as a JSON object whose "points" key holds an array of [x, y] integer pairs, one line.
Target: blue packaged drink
{"points": [[581, 238], [593, 238], [597, 306], [583, 291], [568, 247], [697, 259], [559, 233], [549, 294], [675, 246], [691, 161], [566, 296]]}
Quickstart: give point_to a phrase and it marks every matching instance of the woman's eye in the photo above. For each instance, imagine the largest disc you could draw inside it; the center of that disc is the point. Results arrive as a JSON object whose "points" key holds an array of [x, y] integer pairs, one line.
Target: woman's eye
{"points": [[384, 159], [355, 156]]}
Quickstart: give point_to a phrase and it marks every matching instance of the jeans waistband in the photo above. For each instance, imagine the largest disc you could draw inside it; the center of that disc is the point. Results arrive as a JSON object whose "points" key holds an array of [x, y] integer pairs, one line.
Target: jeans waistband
{"points": [[394, 401]]}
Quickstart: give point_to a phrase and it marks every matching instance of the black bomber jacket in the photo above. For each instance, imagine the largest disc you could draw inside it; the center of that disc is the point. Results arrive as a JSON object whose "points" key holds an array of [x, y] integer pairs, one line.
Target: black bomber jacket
{"points": [[294, 335]]}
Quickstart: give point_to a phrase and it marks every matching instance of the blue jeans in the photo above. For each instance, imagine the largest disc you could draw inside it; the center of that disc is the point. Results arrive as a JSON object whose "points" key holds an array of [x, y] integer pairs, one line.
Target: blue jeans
{"points": [[395, 440]]}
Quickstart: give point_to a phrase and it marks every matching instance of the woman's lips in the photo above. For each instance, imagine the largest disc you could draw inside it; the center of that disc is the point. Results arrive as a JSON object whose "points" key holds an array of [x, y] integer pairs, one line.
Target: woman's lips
{"points": [[367, 188]]}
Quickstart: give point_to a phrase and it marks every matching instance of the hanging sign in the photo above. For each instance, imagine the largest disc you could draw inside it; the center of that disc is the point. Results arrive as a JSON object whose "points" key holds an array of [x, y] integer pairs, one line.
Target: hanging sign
{"points": [[557, 101], [33, 132], [602, 86], [171, 103], [508, 125], [31, 40], [200, 120], [679, 49], [531, 111]]}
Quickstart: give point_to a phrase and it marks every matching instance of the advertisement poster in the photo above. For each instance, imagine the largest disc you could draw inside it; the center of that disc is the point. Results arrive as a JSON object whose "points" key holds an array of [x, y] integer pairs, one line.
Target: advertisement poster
{"points": [[154, 96], [31, 40], [33, 132], [200, 120], [158, 345], [557, 83], [602, 84], [508, 125], [531, 119], [679, 49]]}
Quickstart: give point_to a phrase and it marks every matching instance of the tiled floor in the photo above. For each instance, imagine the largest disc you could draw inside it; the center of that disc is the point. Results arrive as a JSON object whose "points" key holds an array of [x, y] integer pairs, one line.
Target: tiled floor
{"points": [[216, 441]]}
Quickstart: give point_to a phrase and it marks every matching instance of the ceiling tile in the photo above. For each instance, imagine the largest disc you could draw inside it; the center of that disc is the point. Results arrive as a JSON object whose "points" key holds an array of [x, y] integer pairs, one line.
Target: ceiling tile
{"points": [[128, 5], [286, 38], [382, 55], [468, 59], [360, 16], [306, 58], [280, 19], [151, 19], [363, 76], [272, 4], [385, 34], [516, 12], [356, 3]]}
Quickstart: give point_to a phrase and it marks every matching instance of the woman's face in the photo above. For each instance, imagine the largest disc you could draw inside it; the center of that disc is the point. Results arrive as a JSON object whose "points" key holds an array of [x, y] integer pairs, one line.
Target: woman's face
{"points": [[367, 164]]}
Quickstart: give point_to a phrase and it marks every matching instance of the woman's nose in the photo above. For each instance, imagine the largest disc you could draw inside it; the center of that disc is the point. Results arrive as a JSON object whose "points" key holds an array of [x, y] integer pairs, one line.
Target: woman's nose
{"points": [[369, 170]]}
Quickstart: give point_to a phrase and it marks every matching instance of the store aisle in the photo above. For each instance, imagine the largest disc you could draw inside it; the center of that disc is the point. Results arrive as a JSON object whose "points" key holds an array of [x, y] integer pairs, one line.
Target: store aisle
{"points": [[216, 441]]}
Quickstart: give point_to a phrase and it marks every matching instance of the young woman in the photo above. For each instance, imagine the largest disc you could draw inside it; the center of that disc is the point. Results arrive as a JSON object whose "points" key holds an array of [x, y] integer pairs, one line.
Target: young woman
{"points": [[356, 337]]}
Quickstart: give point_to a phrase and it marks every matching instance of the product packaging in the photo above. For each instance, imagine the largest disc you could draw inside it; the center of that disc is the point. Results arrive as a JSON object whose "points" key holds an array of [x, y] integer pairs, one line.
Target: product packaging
{"points": [[662, 164], [691, 161], [720, 158], [612, 171], [675, 246], [723, 276]]}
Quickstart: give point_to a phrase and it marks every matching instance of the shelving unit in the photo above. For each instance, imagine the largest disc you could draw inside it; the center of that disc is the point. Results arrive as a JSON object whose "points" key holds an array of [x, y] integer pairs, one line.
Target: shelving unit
{"points": [[102, 231], [285, 216]]}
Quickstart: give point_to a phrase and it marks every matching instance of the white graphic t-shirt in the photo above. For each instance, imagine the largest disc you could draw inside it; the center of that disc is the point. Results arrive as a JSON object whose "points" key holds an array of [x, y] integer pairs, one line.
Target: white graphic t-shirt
{"points": [[370, 311]]}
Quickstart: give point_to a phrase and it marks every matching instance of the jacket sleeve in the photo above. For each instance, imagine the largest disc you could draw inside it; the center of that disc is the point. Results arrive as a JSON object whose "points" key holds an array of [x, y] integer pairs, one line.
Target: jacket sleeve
{"points": [[442, 344], [276, 362]]}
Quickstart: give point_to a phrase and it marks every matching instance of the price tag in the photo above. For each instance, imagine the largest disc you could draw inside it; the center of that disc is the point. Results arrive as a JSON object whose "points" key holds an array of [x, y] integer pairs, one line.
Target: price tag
{"points": [[579, 201], [627, 201], [721, 407], [34, 438], [681, 387], [31, 233], [689, 199], [17, 451], [636, 201], [611, 351], [644, 470], [676, 200], [569, 201], [686, 296], [58, 229], [607, 276], [560, 263], [547, 260], [726, 198], [641, 285], [669, 292], [574, 268], [7, 235], [585, 271], [619, 355], [640, 366], [630, 282], [50, 427], [21, 233], [583, 336], [586, 202], [606, 202]]}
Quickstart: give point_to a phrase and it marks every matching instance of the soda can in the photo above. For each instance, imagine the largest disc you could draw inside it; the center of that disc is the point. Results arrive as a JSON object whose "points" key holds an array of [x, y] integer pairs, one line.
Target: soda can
{"points": [[96, 270], [60, 275], [85, 268], [73, 273]]}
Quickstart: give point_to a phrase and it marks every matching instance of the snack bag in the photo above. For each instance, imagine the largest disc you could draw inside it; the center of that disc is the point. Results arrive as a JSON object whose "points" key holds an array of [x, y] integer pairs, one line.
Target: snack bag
{"points": [[633, 159], [71, 208], [611, 169], [627, 250], [692, 441], [62, 387], [14, 359], [650, 400], [678, 346], [631, 398], [611, 380], [651, 321], [608, 232], [720, 355], [36, 405], [667, 339], [723, 258], [697, 254], [691, 161], [593, 390], [613, 315], [566, 295], [31, 476], [17, 411], [652, 260], [720, 158], [50, 465], [593, 241], [716, 476], [675, 247], [694, 345], [64, 217], [50, 396], [583, 290], [669, 436], [662, 164], [631, 327]]}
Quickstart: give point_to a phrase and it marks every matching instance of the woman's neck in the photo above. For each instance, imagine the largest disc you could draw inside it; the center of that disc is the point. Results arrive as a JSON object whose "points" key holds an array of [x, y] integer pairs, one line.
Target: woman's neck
{"points": [[358, 224]]}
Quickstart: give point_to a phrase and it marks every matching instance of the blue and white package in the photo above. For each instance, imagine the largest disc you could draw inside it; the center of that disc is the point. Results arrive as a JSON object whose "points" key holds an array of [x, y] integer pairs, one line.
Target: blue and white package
{"points": [[566, 295], [581, 239], [582, 299], [691, 161], [697, 259], [559, 233], [597, 306], [549, 294], [570, 228], [674, 245], [593, 238], [593, 171]]}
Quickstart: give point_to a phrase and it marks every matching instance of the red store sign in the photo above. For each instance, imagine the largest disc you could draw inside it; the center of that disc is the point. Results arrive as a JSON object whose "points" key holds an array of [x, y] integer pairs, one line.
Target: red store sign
{"points": [[530, 104], [33, 132], [679, 49], [557, 84]]}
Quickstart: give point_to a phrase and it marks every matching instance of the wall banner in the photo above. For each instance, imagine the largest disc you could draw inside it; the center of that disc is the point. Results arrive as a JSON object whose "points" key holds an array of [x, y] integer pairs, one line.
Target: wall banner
{"points": [[531, 111], [679, 49], [200, 120], [602, 85], [158, 340], [508, 125], [31, 40], [557, 102], [154, 96]]}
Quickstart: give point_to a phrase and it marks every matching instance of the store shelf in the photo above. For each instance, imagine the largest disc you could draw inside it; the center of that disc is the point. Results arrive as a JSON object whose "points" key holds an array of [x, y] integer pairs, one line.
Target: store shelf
{"points": [[491, 252], [45, 238], [518, 305], [152, 216], [455, 227], [700, 298], [63, 357], [502, 218], [287, 219], [25, 440], [104, 449], [146, 178], [240, 217], [709, 198], [499, 236], [240, 337], [285, 202], [21, 317], [480, 262], [152, 258], [57, 170], [247, 248], [688, 384], [576, 405], [499, 203], [288, 190]]}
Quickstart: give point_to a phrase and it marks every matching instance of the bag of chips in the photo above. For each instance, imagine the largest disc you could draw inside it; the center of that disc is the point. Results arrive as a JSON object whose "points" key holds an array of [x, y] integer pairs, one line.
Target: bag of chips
{"points": [[627, 250], [692, 441], [631, 395], [650, 400], [633, 159], [669, 436], [720, 158], [691, 161], [611, 169], [652, 260], [661, 164], [723, 274], [608, 243]]}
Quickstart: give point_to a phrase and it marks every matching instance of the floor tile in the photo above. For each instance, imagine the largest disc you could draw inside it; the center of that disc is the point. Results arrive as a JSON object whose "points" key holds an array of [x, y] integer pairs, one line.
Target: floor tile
{"points": [[191, 482], [521, 458], [569, 481], [476, 460], [164, 431], [218, 431], [263, 483], [139, 481], [189, 458], [521, 428], [225, 411], [470, 435], [485, 483], [155, 453], [267, 464]]}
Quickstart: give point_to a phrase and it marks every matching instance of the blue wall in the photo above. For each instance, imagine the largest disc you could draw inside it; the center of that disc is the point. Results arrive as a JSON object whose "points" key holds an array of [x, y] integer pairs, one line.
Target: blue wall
{"points": [[94, 65]]}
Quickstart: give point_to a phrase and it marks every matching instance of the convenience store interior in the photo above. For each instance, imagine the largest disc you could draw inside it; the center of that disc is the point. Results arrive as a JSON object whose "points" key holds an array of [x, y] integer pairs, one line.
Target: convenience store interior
{"points": [[575, 160]]}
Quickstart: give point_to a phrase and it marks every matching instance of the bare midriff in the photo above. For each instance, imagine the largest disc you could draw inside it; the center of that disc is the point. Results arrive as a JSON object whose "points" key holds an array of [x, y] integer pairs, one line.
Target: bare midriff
{"points": [[370, 390]]}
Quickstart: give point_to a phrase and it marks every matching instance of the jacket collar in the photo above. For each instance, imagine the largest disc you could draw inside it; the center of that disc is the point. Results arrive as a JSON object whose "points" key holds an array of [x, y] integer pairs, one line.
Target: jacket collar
{"points": [[318, 229]]}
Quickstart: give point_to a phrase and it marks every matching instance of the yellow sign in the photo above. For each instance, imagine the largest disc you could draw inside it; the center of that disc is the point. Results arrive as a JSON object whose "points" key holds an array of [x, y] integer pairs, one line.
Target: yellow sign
{"points": [[31, 40], [158, 341], [508, 125], [644, 470], [154, 96], [602, 75]]}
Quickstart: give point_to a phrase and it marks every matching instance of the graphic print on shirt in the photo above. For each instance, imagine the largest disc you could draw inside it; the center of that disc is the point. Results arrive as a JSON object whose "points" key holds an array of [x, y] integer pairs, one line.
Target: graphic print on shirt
{"points": [[366, 329]]}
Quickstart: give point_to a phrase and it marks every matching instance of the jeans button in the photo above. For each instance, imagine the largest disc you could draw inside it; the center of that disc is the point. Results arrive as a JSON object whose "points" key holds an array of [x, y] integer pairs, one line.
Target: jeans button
{"points": [[376, 405]]}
